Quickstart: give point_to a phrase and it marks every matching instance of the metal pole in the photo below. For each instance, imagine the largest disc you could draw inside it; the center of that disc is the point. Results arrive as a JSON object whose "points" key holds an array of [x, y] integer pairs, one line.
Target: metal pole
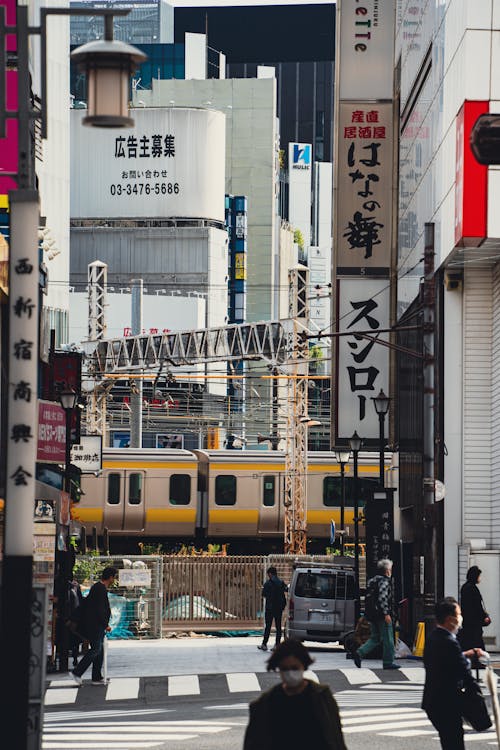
{"points": [[356, 536], [381, 419], [430, 547], [64, 565], [136, 396], [342, 507]]}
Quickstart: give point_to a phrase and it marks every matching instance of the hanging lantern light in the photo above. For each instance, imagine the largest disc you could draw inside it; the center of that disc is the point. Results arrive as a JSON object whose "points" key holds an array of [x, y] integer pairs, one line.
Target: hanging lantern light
{"points": [[108, 65]]}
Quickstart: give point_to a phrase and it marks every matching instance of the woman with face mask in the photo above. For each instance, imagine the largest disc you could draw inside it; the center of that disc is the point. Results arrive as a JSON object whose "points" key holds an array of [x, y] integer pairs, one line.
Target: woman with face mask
{"points": [[447, 671], [298, 712]]}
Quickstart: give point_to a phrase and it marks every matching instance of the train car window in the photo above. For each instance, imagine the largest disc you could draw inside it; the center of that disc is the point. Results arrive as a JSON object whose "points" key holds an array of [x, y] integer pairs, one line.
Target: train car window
{"points": [[269, 491], [225, 489], [180, 489], [135, 489], [113, 489], [331, 492]]}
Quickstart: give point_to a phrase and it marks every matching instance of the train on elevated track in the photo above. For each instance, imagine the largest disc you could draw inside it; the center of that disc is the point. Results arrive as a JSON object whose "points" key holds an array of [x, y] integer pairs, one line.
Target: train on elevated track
{"points": [[173, 497]]}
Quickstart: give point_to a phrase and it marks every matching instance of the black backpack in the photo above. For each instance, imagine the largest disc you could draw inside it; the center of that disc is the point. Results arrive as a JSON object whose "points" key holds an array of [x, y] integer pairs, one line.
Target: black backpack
{"points": [[372, 608]]}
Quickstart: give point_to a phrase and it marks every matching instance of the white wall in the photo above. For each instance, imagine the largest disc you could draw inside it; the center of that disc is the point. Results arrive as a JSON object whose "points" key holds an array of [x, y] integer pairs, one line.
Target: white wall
{"points": [[53, 171], [195, 56], [250, 109]]}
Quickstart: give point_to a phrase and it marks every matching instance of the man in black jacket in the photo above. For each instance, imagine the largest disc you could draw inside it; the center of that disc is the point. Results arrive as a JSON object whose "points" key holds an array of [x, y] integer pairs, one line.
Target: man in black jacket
{"points": [[94, 624], [273, 592], [447, 670]]}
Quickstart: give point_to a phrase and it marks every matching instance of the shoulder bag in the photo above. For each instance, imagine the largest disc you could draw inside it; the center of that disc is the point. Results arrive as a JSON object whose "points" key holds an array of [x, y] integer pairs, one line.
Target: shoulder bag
{"points": [[473, 707]]}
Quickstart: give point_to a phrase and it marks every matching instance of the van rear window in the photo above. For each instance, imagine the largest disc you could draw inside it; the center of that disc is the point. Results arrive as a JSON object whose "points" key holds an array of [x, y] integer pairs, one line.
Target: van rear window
{"points": [[325, 586]]}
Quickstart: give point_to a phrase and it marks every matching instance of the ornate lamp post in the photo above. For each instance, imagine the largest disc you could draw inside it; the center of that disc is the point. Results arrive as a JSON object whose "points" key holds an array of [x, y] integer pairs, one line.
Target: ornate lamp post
{"points": [[342, 455], [355, 443], [381, 404]]}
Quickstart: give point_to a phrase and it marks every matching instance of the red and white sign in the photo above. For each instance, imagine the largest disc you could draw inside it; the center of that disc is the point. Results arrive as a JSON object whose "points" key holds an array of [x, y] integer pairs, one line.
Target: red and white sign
{"points": [[471, 181], [51, 433]]}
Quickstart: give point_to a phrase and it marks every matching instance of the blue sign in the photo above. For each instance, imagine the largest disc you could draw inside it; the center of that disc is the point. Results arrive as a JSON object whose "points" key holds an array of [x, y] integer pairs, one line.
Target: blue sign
{"points": [[302, 154], [332, 532]]}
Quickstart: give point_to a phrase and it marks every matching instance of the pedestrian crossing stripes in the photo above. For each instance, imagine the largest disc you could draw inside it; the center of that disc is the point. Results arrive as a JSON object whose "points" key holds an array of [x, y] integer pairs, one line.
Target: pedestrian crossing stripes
{"points": [[80, 734], [65, 692]]}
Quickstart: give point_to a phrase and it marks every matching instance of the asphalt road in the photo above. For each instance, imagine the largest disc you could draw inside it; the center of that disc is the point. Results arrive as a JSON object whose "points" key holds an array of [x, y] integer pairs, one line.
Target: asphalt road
{"points": [[384, 712]]}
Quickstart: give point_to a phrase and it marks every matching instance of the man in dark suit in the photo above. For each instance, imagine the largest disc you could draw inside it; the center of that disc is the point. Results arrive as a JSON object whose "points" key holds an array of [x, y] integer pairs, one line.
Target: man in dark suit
{"points": [[447, 669], [94, 624], [273, 592]]}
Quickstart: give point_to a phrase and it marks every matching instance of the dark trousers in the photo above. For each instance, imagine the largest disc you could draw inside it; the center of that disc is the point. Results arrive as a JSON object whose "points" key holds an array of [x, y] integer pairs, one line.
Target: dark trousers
{"points": [[269, 616], [93, 656], [449, 725]]}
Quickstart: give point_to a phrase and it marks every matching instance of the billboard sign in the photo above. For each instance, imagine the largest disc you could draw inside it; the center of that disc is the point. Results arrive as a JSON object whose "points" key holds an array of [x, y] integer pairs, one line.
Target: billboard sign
{"points": [[363, 364], [300, 176], [171, 164], [87, 455], [365, 41], [51, 433], [364, 188]]}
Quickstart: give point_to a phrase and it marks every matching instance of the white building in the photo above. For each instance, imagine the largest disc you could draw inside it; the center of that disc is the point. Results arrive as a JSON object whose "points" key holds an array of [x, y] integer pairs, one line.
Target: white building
{"points": [[448, 57]]}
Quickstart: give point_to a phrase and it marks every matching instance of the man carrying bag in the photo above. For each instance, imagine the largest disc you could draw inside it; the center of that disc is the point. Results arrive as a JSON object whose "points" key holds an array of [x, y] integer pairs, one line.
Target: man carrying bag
{"points": [[450, 691]]}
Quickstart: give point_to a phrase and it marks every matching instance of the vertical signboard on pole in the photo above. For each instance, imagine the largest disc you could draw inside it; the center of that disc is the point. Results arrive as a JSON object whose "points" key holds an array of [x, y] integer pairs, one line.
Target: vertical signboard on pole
{"points": [[300, 177], [22, 412], [363, 211]]}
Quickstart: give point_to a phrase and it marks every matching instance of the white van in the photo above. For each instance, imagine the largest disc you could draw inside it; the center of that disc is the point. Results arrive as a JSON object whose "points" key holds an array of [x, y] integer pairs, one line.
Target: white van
{"points": [[321, 601]]}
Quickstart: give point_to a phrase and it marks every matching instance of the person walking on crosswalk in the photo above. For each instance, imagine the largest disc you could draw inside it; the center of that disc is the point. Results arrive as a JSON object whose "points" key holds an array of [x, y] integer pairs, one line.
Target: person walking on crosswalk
{"points": [[298, 713], [94, 626], [379, 611], [273, 592], [447, 671]]}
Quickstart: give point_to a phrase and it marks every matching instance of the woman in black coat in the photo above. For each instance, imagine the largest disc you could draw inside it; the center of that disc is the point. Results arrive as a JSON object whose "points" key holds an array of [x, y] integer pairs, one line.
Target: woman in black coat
{"points": [[473, 612]]}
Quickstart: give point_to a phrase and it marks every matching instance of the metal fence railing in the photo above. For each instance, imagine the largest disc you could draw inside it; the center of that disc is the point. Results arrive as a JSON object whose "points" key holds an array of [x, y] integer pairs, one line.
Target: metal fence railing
{"points": [[212, 591], [136, 602], [161, 593]]}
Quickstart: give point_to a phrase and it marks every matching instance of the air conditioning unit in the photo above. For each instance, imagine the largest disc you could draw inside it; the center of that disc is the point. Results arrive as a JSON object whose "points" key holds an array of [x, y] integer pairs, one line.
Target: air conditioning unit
{"points": [[453, 280]]}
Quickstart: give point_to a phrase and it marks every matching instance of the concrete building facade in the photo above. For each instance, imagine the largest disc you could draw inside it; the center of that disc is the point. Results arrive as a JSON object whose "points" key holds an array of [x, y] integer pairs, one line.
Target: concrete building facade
{"points": [[447, 57]]}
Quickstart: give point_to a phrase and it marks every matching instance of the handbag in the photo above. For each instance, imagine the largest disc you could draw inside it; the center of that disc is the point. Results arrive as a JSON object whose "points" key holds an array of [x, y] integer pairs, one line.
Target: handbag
{"points": [[473, 707]]}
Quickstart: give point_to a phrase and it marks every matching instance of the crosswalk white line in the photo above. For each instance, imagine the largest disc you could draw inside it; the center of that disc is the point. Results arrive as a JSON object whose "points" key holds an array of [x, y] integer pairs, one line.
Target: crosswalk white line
{"points": [[60, 696], [357, 698], [376, 712], [388, 725], [414, 674], [186, 684], [359, 720], [123, 735], [126, 688], [242, 682], [360, 676], [409, 733]]}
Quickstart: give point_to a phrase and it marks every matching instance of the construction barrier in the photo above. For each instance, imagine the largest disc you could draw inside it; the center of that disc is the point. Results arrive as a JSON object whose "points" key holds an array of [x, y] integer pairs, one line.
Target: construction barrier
{"points": [[419, 643]]}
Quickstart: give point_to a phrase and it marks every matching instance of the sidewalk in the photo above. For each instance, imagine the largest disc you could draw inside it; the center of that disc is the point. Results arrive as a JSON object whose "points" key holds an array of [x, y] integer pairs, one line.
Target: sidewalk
{"points": [[212, 655]]}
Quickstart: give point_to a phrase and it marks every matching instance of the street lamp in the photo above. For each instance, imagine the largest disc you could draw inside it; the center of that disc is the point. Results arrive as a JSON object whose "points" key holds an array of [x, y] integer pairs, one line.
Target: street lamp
{"points": [[381, 404], [355, 443], [68, 400], [22, 352], [342, 455]]}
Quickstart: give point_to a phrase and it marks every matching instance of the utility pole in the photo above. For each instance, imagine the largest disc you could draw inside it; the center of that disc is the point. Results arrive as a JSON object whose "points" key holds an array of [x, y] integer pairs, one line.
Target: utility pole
{"points": [[430, 551], [136, 393], [295, 541], [96, 400]]}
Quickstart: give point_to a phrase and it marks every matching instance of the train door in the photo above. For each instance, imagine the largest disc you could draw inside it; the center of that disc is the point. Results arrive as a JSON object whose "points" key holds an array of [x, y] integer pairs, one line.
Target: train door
{"points": [[269, 506], [124, 500], [134, 515]]}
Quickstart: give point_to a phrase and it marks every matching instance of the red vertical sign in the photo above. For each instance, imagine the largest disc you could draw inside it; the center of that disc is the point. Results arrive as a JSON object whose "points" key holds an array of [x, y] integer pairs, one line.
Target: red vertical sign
{"points": [[471, 181]]}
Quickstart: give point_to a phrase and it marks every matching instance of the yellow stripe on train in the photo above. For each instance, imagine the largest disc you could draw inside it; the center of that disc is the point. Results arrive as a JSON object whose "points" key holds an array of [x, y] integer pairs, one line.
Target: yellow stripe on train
{"points": [[171, 515]]}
